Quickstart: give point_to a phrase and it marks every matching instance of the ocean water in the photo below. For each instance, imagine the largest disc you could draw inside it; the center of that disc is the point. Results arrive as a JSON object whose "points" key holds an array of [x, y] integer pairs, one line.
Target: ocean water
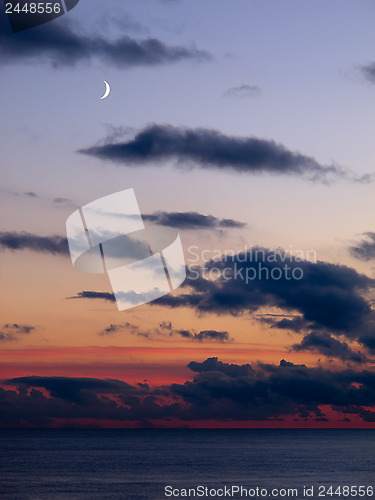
{"points": [[139, 464]]}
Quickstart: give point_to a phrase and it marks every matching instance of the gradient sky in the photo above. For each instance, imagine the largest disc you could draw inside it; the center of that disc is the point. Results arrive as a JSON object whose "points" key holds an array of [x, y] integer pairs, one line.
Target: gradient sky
{"points": [[296, 76]]}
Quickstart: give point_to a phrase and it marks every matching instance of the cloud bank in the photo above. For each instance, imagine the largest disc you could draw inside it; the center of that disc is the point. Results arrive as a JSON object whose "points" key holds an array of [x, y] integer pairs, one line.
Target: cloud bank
{"points": [[219, 392]]}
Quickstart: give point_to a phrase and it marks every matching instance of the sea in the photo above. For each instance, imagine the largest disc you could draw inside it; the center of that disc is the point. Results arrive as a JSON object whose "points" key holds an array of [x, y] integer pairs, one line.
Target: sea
{"points": [[155, 464]]}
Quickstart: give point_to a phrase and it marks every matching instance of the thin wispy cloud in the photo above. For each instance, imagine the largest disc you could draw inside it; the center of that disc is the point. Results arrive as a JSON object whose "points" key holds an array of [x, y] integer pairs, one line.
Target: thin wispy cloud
{"points": [[368, 71], [57, 202], [165, 330], [242, 91], [13, 331]]}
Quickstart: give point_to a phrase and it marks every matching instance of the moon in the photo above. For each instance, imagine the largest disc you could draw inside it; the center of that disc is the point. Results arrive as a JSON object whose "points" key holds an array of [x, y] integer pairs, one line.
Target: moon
{"points": [[107, 90]]}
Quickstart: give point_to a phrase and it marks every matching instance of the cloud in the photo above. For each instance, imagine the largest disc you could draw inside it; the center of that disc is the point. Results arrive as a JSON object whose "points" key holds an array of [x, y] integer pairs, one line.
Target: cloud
{"points": [[72, 388], [206, 148], [320, 295], [90, 294], [219, 391], [56, 245], [205, 335], [368, 71], [58, 44], [11, 332], [58, 202], [365, 250], [327, 294], [214, 365], [128, 327], [191, 220], [324, 343], [166, 329], [242, 91], [296, 324]]}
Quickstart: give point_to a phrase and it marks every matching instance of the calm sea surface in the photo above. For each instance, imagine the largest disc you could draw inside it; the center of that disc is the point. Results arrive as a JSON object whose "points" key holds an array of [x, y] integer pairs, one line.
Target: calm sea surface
{"points": [[139, 464]]}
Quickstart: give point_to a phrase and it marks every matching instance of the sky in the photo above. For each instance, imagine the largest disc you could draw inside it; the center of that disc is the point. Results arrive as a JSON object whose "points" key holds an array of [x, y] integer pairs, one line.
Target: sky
{"points": [[241, 124]]}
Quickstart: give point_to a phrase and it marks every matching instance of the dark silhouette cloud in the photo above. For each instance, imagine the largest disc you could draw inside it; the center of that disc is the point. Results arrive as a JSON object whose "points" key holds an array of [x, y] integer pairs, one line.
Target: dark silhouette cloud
{"points": [[242, 91], [12, 240], [191, 220], [166, 329], [368, 71], [297, 324], [327, 297], [204, 335], [364, 250], [72, 388], [11, 332], [89, 294], [127, 328], [214, 365], [324, 343], [219, 391], [206, 148], [60, 45]]}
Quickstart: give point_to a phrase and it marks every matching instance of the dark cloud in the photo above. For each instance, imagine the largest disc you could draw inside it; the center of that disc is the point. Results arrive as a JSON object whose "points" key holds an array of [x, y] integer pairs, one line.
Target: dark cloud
{"points": [[326, 344], [364, 250], [133, 248], [327, 297], [191, 220], [294, 324], [11, 332], [166, 329], [128, 328], [205, 148], [242, 91], [369, 71], [205, 335], [12, 240], [89, 294], [219, 391], [59, 45]]}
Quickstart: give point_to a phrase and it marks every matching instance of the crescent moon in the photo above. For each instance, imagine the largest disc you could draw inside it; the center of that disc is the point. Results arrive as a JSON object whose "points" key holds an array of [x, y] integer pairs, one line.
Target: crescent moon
{"points": [[107, 90]]}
